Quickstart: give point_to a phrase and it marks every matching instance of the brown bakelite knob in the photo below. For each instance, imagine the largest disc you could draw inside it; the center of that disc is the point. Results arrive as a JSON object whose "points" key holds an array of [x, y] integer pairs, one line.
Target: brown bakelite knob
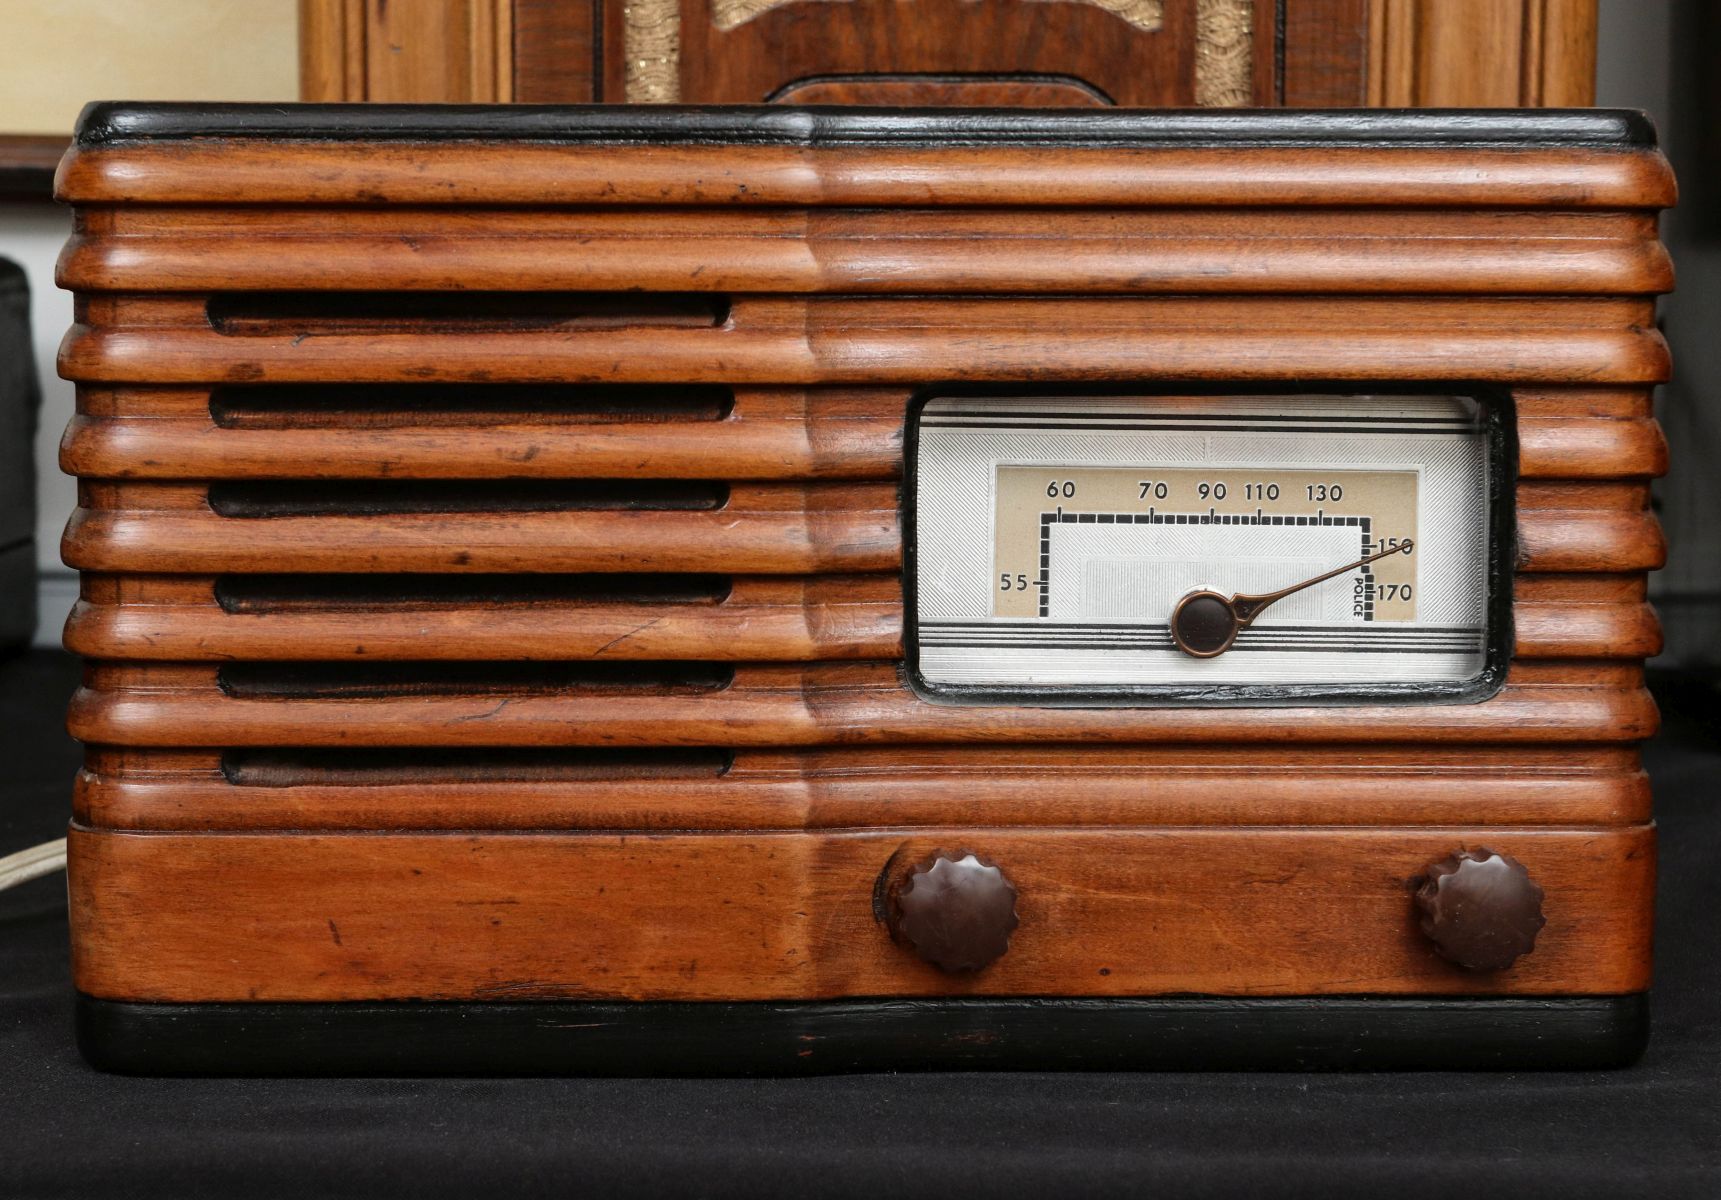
{"points": [[1480, 909], [957, 911]]}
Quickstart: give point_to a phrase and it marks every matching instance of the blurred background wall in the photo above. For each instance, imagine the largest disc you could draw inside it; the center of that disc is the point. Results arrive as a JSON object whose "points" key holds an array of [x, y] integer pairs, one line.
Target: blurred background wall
{"points": [[60, 54], [1665, 56], [1660, 55]]}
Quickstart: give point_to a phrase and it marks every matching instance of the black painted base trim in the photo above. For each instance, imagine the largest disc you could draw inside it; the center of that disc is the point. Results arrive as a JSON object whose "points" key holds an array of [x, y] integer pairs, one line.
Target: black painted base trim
{"points": [[589, 1038], [107, 122]]}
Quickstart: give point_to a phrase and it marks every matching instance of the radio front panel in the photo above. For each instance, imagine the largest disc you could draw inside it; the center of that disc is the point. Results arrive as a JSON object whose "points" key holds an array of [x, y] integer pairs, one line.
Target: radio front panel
{"points": [[716, 574]]}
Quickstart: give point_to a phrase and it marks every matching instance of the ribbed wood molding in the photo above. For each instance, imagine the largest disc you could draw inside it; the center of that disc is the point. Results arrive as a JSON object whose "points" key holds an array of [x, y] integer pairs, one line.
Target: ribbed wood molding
{"points": [[1481, 53], [427, 51]]}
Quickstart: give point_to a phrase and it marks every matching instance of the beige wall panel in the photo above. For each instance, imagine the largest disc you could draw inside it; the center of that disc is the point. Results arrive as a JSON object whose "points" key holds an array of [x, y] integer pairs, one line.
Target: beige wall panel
{"points": [[63, 53]]}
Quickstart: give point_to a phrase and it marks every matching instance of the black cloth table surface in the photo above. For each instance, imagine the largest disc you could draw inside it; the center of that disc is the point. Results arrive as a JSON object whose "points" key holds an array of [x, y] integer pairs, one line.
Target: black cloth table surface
{"points": [[1652, 1130]]}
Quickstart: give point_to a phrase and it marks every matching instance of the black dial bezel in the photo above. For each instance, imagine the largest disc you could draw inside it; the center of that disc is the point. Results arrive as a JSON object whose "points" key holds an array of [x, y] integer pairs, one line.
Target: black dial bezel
{"points": [[1500, 428]]}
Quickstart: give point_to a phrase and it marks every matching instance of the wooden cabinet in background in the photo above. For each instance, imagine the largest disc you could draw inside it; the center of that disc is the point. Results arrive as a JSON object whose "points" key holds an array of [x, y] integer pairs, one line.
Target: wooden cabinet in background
{"points": [[1146, 53]]}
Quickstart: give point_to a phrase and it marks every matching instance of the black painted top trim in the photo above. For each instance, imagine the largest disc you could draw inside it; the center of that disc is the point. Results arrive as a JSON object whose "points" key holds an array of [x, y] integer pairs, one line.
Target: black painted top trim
{"points": [[110, 122]]}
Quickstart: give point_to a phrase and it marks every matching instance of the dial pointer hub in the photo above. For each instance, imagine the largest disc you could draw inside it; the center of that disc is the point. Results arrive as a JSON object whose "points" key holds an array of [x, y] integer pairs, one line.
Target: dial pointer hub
{"points": [[1206, 623]]}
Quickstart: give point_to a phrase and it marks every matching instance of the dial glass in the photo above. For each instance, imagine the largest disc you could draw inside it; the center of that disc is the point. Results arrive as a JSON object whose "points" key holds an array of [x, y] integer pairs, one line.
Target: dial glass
{"points": [[1117, 546]]}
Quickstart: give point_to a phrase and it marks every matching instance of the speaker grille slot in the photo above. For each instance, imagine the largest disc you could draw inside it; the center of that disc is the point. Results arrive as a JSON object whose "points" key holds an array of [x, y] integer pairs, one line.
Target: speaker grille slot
{"points": [[381, 768], [380, 497], [385, 680], [321, 593], [382, 406], [250, 314]]}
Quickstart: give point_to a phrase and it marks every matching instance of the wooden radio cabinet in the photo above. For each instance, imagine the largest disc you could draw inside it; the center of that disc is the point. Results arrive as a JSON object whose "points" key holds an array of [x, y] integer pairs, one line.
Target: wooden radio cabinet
{"points": [[629, 589]]}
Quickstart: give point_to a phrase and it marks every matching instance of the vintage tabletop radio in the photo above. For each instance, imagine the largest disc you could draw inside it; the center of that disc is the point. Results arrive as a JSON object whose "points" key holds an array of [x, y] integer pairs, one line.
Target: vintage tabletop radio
{"points": [[654, 589]]}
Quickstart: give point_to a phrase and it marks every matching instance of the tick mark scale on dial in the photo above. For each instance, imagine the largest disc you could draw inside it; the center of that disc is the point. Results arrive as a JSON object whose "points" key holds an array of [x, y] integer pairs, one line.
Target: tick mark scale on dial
{"points": [[1152, 517], [1205, 624]]}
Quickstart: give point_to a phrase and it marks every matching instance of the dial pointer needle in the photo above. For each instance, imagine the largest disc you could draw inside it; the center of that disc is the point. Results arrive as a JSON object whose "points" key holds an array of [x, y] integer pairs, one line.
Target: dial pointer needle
{"points": [[1205, 623]]}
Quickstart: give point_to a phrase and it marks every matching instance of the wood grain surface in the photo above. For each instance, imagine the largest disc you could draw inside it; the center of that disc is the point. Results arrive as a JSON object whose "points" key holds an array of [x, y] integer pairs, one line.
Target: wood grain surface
{"points": [[903, 340], [1437, 53], [463, 916], [1125, 250], [1241, 785], [1036, 177], [493, 557], [780, 705]]}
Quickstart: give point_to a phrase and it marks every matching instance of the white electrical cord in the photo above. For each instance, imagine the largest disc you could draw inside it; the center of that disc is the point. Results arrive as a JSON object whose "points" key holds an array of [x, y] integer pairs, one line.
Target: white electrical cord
{"points": [[33, 863]]}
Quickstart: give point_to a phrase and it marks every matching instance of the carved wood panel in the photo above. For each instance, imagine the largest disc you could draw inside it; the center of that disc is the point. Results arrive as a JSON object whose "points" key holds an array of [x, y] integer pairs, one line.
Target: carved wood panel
{"points": [[1132, 52], [1481, 53], [1297, 53], [427, 51]]}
